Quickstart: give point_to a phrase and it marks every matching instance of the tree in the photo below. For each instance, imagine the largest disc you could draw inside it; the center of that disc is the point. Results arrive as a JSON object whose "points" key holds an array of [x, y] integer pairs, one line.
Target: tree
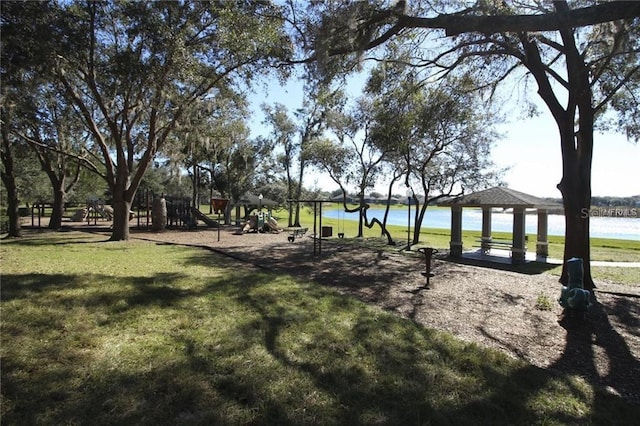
{"points": [[132, 69], [203, 136], [283, 134], [42, 117], [583, 60], [53, 130], [8, 175], [236, 161], [352, 159], [296, 138], [440, 133], [22, 26]]}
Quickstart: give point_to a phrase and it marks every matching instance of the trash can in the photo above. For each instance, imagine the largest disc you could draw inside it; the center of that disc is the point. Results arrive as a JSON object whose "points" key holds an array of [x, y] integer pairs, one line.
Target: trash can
{"points": [[327, 231]]}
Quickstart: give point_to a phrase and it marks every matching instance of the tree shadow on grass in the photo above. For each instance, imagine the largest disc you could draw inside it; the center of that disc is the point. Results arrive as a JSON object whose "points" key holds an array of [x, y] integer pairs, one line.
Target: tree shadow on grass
{"points": [[59, 288], [344, 267], [53, 237], [61, 374], [368, 366], [596, 337], [382, 369]]}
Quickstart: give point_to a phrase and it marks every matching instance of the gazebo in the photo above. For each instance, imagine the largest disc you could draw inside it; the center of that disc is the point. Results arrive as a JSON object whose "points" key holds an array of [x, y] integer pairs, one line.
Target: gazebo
{"points": [[505, 198]]}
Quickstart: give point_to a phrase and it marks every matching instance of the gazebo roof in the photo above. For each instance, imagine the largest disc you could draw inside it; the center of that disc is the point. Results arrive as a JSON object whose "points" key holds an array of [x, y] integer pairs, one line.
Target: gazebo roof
{"points": [[500, 196]]}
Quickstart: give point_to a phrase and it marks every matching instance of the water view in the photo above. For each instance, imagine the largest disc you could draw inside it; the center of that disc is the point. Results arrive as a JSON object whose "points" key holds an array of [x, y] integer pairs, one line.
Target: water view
{"points": [[626, 228]]}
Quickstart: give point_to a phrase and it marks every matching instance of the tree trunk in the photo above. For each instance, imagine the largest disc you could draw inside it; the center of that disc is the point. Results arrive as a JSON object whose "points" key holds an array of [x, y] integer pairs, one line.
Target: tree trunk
{"points": [[577, 148], [195, 203], [361, 214], [575, 187], [296, 219], [121, 209], [55, 222], [576, 216], [12, 201], [419, 217], [9, 180]]}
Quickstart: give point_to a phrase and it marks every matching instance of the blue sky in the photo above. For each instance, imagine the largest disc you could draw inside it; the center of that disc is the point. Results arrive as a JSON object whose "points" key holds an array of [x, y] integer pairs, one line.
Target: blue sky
{"points": [[530, 148]]}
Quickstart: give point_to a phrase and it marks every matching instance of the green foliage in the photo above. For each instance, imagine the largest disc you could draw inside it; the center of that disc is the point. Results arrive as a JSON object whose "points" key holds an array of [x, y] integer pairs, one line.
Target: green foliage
{"points": [[543, 303], [33, 185], [133, 70], [138, 333]]}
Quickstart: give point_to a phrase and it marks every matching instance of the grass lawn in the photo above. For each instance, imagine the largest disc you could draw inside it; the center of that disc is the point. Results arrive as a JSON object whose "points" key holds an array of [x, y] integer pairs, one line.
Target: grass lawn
{"points": [[98, 332]]}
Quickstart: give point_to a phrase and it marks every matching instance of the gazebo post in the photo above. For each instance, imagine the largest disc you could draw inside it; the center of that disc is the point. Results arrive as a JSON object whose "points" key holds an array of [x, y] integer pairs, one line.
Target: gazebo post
{"points": [[455, 245], [486, 230], [518, 247], [542, 241]]}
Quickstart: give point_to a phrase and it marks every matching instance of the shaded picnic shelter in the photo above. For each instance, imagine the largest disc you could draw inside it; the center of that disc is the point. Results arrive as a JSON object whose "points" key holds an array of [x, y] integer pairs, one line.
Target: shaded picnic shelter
{"points": [[501, 198]]}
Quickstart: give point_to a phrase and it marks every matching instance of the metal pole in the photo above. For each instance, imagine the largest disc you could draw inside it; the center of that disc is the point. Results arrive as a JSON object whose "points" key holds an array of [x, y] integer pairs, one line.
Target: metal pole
{"points": [[409, 223], [315, 227], [320, 240]]}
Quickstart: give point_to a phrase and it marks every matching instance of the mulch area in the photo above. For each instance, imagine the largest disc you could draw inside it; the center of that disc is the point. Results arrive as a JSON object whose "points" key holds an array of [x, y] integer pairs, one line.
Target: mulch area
{"points": [[492, 307]]}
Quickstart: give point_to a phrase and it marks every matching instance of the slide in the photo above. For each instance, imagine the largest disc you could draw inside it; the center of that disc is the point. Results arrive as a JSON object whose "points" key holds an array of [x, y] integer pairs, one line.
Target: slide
{"points": [[201, 216]]}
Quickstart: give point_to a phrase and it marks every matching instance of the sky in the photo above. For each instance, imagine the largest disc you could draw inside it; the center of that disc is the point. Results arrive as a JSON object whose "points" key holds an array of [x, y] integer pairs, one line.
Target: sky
{"points": [[530, 149]]}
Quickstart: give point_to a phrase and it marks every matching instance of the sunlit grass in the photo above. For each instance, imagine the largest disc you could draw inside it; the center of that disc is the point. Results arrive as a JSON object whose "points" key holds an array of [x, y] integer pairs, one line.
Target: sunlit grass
{"points": [[97, 332]]}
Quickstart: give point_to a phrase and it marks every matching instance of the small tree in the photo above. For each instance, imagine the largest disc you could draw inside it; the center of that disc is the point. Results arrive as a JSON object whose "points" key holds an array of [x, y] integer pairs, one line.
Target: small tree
{"points": [[296, 136], [439, 134], [364, 160], [283, 135]]}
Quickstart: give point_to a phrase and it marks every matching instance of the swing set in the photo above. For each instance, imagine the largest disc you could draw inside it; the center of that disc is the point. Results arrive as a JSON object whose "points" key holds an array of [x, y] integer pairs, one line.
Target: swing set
{"points": [[326, 231], [341, 223]]}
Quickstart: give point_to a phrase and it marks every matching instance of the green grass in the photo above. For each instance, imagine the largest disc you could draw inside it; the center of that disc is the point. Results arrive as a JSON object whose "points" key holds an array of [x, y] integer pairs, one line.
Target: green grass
{"points": [[98, 332]]}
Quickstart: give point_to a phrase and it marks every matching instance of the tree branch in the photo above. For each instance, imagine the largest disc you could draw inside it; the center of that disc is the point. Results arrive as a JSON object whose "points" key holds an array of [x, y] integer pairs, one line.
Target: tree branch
{"points": [[455, 24]]}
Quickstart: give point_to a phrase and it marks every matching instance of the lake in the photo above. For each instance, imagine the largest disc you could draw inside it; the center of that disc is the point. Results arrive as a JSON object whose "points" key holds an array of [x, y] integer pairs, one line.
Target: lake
{"points": [[625, 228]]}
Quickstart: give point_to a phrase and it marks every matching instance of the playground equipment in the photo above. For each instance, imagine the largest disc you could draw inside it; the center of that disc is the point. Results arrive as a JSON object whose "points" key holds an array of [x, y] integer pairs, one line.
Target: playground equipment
{"points": [[179, 212], [573, 297], [219, 205], [295, 233], [39, 208], [428, 253], [341, 223], [99, 208]]}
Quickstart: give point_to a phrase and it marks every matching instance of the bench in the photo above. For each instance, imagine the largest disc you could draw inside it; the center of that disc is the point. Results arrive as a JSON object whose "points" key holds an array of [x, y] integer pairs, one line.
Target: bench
{"points": [[487, 245], [295, 233]]}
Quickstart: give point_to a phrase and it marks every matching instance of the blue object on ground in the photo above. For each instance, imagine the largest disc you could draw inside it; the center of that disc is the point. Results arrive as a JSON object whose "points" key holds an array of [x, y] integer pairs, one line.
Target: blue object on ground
{"points": [[574, 296]]}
